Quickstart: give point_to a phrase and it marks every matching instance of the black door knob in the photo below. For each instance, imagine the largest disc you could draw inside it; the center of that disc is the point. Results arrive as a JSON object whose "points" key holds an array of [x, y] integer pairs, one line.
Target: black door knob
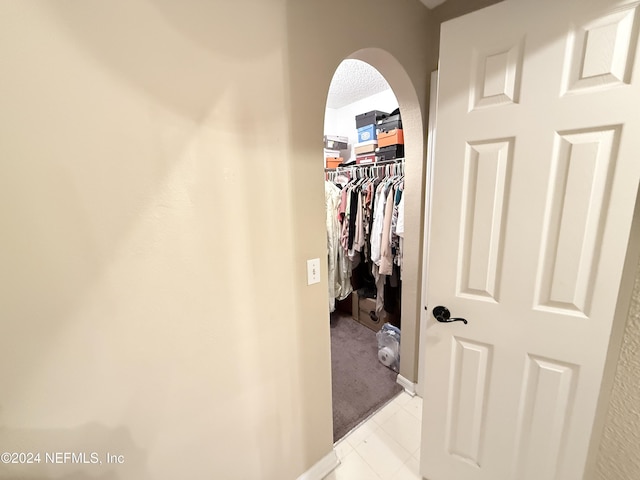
{"points": [[443, 315]]}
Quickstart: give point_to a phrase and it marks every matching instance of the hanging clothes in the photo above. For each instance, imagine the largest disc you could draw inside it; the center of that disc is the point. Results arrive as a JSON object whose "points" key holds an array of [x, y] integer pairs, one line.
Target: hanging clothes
{"points": [[369, 231], [378, 223], [339, 270], [400, 234], [386, 255]]}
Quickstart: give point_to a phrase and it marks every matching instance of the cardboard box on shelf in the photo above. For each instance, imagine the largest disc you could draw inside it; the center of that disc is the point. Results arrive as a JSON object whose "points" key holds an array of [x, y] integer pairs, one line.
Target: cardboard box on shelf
{"points": [[336, 142], [367, 133], [331, 153], [366, 147], [333, 162], [365, 158], [392, 137]]}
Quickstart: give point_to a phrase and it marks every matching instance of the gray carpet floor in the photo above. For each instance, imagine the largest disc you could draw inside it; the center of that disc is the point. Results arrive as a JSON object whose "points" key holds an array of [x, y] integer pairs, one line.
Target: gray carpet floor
{"points": [[361, 384]]}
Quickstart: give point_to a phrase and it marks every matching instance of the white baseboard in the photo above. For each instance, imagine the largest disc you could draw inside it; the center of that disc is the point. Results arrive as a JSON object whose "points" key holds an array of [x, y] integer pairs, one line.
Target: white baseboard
{"points": [[408, 385], [322, 468]]}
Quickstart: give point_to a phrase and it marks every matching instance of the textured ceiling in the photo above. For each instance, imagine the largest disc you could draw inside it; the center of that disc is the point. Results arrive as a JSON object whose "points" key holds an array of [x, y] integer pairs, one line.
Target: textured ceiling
{"points": [[353, 81]]}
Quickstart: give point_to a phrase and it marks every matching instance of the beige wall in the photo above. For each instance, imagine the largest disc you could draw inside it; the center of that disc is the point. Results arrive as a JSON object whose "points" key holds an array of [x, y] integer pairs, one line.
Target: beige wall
{"points": [[160, 192], [619, 453]]}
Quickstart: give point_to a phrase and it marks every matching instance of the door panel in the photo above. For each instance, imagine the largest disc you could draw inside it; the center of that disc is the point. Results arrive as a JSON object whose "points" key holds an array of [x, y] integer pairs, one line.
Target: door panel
{"points": [[601, 52], [548, 391], [497, 76], [580, 184], [534, 184], [468, 386], [484, 200]]}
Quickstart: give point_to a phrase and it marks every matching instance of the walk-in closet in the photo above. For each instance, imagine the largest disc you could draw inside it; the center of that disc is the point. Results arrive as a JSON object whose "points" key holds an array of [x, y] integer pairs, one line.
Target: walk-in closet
{"points": [[364, 185]]}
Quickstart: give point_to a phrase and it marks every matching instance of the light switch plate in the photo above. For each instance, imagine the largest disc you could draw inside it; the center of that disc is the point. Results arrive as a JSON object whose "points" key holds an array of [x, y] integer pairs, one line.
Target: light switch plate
{"points": [[313, 271]]}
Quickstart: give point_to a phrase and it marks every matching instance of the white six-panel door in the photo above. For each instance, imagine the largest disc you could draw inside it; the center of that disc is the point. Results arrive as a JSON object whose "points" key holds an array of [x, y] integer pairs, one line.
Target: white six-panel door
{"points": [[536, 171]]}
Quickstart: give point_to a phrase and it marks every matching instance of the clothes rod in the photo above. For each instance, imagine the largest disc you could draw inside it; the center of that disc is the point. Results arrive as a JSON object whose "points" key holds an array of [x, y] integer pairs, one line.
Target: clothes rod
{"points": [[372, 164]]}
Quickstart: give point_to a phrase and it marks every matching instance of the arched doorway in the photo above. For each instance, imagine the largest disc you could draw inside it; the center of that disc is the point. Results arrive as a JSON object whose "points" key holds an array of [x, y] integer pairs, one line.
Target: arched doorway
{"points": [[404, 96]]}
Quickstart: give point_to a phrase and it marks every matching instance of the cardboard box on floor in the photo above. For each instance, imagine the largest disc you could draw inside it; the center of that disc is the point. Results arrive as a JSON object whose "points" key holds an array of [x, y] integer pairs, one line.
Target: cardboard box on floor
{"points": [[364, 311]]}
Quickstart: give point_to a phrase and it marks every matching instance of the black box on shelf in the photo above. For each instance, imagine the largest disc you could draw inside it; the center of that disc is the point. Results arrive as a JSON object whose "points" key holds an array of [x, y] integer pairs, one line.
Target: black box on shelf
{"points": [[390, 153], [389, 123], [368, 118]]}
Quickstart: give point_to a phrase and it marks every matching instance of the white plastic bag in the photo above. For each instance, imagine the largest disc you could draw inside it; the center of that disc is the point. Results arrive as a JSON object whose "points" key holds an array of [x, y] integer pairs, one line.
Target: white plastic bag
{"points": [[389, 346]]}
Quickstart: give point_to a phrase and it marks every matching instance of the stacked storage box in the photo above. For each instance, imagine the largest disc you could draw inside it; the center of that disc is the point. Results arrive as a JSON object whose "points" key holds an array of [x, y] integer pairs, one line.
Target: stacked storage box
{"points": [[333, 144], [390, 137], [366, 123]]}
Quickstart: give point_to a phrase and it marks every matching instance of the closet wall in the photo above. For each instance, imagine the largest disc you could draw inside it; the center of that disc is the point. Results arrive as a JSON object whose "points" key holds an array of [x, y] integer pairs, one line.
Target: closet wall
{"points": [[341, 121]]}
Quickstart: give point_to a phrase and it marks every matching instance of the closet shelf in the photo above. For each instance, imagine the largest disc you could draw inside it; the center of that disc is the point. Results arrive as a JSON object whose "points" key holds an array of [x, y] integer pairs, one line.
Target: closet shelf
{"points": [[365, 165]]}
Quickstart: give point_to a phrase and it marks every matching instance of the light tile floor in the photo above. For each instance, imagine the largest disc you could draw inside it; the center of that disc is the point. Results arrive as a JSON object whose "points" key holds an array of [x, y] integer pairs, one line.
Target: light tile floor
{"points": [[386, 446]]}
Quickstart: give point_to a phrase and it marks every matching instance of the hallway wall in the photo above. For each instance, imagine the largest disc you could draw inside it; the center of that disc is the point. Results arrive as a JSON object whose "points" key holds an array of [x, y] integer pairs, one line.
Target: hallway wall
{"points": [[619, 453], [160, 192]]}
